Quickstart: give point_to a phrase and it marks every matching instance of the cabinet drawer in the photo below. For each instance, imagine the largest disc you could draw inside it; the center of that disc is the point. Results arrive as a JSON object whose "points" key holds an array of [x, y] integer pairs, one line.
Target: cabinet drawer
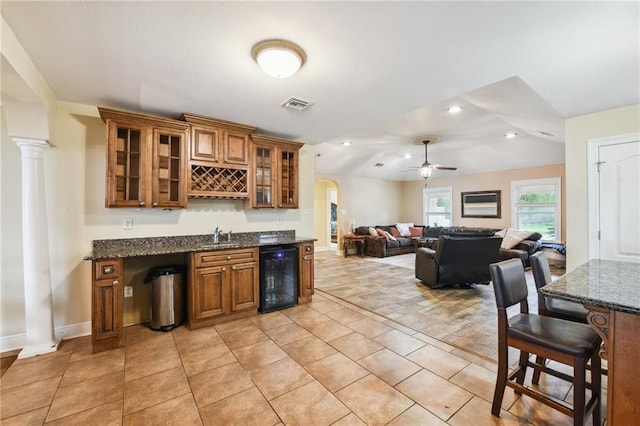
{"points": [[108, 269], [306, 249], [211, 258]]}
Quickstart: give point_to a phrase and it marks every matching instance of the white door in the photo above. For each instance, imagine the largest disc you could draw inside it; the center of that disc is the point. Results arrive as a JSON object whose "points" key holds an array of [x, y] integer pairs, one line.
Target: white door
{"points": [[619, 201]]}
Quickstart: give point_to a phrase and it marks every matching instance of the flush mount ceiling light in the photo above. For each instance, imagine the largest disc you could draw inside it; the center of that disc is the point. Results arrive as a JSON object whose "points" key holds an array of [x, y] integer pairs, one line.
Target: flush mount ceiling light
{"points": [[454, 109], [511, 135], [278, 58], [346, 143]]}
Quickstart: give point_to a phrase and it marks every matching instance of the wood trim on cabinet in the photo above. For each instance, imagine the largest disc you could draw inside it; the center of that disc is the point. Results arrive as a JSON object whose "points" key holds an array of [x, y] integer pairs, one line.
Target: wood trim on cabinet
{"points": [[306, 273], [205, 144], [212, 122], [149, 120]]}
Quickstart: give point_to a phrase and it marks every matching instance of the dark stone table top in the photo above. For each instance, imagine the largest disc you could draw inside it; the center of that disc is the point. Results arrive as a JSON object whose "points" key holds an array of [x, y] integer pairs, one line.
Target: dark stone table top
{"points": [[601, 283], [131, 247]]}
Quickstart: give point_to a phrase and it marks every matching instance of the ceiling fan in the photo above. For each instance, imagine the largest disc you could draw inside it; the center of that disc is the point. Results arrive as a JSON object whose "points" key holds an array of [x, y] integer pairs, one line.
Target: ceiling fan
{"points": [[427, 168]]}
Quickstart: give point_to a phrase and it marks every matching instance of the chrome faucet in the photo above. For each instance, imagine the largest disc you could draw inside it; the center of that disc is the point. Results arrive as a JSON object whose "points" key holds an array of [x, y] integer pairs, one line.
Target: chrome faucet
{"points": [[229, 236], [216, 235]]}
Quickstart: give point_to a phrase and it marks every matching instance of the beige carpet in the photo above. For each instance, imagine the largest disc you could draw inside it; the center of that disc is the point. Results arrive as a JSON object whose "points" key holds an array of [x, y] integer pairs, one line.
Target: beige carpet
{"points": [[464, 318]]}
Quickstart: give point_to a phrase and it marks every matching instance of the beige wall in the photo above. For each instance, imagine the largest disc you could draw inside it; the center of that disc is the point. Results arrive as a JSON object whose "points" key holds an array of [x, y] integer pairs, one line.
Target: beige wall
{"points": [[75, 188], [11, 290], [578, 131], [320, 214], [484, 181], [368, 201]]}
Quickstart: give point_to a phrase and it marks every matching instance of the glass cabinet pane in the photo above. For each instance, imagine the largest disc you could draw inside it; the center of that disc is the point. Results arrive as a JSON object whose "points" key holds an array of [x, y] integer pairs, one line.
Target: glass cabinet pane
{"points": [[128, 164], [168, 168], [288, 177], [263, 182]]}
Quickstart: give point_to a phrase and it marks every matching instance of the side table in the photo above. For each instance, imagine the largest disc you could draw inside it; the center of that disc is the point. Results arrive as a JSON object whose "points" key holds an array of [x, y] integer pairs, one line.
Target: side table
{"points": [[358, 242]]}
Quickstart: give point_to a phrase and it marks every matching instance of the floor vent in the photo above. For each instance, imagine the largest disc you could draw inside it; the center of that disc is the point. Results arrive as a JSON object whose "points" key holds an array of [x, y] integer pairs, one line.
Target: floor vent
{"points": [[296, 103]]}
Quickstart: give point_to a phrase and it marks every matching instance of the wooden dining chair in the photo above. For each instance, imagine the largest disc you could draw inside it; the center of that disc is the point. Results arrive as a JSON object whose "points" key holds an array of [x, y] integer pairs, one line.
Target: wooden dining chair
{"points": [[566, 342], [550, 307], [547, 306]]}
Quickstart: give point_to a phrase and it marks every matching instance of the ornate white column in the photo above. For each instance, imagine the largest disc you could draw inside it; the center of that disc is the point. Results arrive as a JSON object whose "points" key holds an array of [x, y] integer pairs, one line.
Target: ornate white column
{"points": [[37, 272]]}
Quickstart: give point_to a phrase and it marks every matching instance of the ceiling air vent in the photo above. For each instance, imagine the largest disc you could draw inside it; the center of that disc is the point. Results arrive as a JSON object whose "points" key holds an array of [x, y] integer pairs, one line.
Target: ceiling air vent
{"points": [[296, 103], [379, 164]]}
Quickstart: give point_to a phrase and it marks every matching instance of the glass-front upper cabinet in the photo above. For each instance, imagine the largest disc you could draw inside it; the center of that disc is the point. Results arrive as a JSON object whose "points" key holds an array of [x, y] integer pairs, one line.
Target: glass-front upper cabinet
{"points": [[168, 188], [263, 177], [146, 160], [127, 172], [288, 196], [275, 173]]}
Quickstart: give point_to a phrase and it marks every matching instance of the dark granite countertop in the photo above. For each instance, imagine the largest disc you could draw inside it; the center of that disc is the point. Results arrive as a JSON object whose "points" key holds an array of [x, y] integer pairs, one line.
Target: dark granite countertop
{"points": [[601, 283], [131, 247]]}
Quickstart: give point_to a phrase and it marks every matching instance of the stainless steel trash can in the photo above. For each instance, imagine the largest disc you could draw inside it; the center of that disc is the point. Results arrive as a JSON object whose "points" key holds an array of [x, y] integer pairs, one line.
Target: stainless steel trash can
{"points": [[167, 296]]}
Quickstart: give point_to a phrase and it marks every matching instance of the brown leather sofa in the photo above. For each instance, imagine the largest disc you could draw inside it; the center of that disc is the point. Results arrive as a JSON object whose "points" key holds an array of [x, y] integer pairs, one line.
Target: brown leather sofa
{"points": [[379, 246], [458, 261]]}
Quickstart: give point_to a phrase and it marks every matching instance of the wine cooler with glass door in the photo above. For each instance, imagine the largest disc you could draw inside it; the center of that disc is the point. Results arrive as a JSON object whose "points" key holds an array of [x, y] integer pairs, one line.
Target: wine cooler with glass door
{"points": [[278, 278]]}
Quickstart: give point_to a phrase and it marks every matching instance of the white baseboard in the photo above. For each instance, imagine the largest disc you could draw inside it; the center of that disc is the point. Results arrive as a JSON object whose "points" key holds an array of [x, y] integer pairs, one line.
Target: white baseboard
{"points": [[11, 343], [18, 341]]}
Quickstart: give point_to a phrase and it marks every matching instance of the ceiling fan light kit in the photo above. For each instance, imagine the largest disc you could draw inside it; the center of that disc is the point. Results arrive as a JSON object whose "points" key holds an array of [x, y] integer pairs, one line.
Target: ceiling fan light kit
{"points": [[278, 58], [427, 168]]}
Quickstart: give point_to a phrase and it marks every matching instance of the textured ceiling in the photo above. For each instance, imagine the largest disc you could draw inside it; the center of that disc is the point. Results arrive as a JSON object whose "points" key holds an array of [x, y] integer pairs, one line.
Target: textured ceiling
{"points": [[380, 74]]}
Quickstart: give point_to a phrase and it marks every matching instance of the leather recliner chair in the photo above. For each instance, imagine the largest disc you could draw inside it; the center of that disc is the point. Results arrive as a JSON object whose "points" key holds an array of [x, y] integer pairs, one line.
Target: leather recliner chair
{"points": [[457, 261]]}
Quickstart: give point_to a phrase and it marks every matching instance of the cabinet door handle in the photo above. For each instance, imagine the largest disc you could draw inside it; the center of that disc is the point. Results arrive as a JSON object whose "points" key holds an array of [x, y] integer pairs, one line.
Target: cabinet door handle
{"points": [[229, 257], [114, 282], [224, 269], [107, 270], [142, 203], [234, 268]]}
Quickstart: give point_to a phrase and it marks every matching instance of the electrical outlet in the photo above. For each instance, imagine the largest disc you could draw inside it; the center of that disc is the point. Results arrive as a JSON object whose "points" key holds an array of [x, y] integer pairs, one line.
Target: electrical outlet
{"points": [[279, 219], [127, 223], [128, 291]]}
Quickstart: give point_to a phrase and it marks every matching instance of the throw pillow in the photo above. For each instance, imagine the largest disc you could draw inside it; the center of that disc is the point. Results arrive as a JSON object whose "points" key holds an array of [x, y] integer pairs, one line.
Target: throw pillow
{"points": [[394, 231], [372, 231], [415, 232], [403, 228], [501, 233], [513, 238]]}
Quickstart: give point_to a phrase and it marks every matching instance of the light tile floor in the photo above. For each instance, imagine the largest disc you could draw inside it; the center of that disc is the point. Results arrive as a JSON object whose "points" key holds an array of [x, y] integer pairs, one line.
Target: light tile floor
{"points": [[324, 363]]}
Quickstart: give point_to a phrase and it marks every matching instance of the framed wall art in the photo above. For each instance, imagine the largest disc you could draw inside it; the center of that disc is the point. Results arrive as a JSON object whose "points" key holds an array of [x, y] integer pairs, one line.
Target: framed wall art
{"points": [[481, 204]]}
